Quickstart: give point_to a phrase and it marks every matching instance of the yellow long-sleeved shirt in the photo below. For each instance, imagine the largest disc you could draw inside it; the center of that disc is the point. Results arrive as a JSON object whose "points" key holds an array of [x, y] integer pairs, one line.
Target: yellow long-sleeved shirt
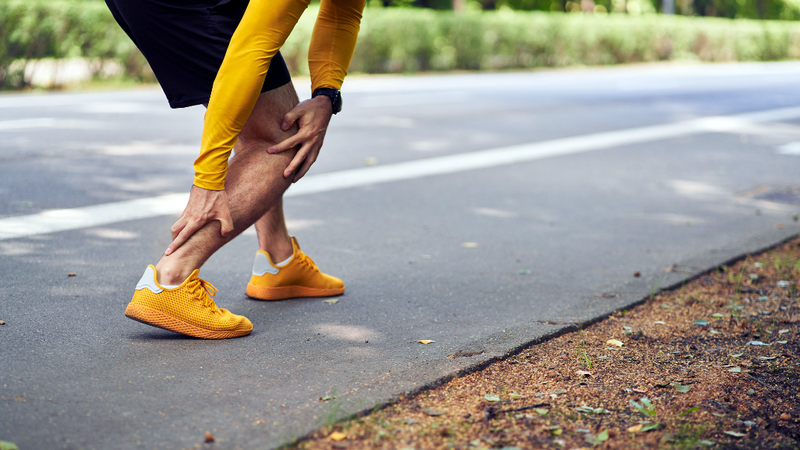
{"points": [[262, 31]]}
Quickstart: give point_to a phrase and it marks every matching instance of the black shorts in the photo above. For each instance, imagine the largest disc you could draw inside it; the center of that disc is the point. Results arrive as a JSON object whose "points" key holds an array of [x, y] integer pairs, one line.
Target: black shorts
{"points": [[185, 41]]}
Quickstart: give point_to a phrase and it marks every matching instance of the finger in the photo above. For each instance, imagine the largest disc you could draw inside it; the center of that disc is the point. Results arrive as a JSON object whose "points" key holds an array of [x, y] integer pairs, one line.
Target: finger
{"points": [[178, 226], [289, 119], [298, 159], [226, 224], [286, 144], [184, 235], [310, 159]]}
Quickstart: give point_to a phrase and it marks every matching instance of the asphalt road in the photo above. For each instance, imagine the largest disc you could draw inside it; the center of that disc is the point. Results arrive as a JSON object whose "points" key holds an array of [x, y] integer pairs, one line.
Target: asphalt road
{"points": [[558, 234]]}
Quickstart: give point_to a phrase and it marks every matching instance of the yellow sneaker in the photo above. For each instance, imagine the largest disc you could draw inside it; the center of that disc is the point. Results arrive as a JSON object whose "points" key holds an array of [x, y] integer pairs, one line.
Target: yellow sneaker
{"points": [[187, 309], [300, 277]]}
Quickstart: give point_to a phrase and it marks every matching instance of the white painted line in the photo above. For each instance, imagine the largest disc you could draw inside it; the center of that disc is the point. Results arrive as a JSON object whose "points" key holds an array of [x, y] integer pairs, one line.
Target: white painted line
{"points": [[47, 122], [792, 148], [21, 124], [90, 216]]}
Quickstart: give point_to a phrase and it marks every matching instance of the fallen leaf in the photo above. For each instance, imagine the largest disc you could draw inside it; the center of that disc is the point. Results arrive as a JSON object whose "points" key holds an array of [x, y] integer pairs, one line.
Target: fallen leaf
{"points": [[659, 322], [708, 443], [597, 440], [337, 436], [701, 322], [590, 410], [541, 411], [515, 396], [735, 370], [783, 283], [784, 331], [689, 411], [681, 388], [767, 358], [718, 315], [209, 437], [8, 446], [637, 274], [583, 373], [782, 342], [2, 323], [635, 428], [786, 417], [650, 427], [734, 434], [425, 341], [554, 430], [491, 398], [331, 301], [327, 397], [614, 342], [469, 244], [641, 391], [763, 298], [73, 274], [737, 355]]}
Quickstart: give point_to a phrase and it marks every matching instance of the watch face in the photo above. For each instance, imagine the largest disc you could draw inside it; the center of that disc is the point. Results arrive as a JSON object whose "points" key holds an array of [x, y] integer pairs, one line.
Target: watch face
{"points": [[337, 102]]}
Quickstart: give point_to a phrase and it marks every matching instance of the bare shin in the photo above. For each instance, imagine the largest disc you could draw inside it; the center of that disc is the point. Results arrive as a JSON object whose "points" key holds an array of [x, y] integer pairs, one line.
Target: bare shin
{"points": [[255, 186]]}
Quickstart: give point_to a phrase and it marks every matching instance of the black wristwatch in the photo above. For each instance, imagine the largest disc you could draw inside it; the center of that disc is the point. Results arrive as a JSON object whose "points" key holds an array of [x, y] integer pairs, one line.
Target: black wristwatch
{"points": [[334, 94]]}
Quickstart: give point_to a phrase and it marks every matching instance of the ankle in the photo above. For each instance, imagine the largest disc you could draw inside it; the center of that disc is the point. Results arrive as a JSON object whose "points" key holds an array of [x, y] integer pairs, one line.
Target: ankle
{"points": [[279, 250], [171, 274]]}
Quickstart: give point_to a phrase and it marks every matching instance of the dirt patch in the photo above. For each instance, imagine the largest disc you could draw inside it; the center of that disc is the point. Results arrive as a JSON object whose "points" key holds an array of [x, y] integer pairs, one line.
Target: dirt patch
{"points": [[712, 364]]}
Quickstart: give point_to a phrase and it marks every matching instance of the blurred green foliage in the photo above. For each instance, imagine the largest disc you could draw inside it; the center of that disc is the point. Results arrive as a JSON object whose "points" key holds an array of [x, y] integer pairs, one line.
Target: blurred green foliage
{"points": [[35, 29], [394, 40], [398, 40]]}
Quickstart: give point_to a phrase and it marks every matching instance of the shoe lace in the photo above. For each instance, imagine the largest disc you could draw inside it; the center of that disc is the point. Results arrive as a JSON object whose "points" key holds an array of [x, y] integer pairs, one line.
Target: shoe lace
{"points": [[309, 262], [204, 291]]}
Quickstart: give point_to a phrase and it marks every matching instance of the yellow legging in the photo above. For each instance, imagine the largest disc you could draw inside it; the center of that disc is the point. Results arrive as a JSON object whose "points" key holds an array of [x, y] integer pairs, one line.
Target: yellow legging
{"points": [[261, 33]]}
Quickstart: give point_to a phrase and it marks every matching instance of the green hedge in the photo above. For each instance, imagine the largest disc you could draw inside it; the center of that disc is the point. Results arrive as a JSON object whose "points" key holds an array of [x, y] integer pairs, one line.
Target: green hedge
{"points": [[36, 29], [408, 40]]}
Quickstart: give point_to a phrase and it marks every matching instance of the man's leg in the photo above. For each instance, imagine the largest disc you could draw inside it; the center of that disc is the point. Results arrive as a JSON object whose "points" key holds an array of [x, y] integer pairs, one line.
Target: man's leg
{"points": [[273, 237], [254, 184]]}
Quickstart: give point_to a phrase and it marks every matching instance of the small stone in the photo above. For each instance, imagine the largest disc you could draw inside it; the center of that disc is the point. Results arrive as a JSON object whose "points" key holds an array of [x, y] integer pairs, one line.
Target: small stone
{"points": [[637, 274], [786, 417], [209, 437], [2, 323]]}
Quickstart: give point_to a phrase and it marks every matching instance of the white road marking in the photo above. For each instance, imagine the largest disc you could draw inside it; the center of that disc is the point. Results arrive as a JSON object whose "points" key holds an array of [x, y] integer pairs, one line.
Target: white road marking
{"points": [[90, 216], [792, 148], [21, 124], [47, 122]]}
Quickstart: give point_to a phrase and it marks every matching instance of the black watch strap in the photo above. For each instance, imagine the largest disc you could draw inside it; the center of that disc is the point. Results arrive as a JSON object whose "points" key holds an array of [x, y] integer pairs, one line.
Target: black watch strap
{"points": [[334, 94]]}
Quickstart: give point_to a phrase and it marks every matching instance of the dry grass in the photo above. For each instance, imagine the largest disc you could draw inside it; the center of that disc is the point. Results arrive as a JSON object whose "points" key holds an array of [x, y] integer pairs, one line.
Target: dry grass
{"points": [[707, 385]]}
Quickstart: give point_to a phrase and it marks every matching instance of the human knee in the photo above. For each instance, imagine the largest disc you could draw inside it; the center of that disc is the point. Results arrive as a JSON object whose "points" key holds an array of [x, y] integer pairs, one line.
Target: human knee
{"points": [[264, 126]]}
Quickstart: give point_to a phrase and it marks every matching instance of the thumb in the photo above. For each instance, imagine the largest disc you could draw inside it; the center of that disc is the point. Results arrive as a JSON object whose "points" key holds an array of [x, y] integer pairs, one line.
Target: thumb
{"points": [[289, 119], [226, 224]]}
